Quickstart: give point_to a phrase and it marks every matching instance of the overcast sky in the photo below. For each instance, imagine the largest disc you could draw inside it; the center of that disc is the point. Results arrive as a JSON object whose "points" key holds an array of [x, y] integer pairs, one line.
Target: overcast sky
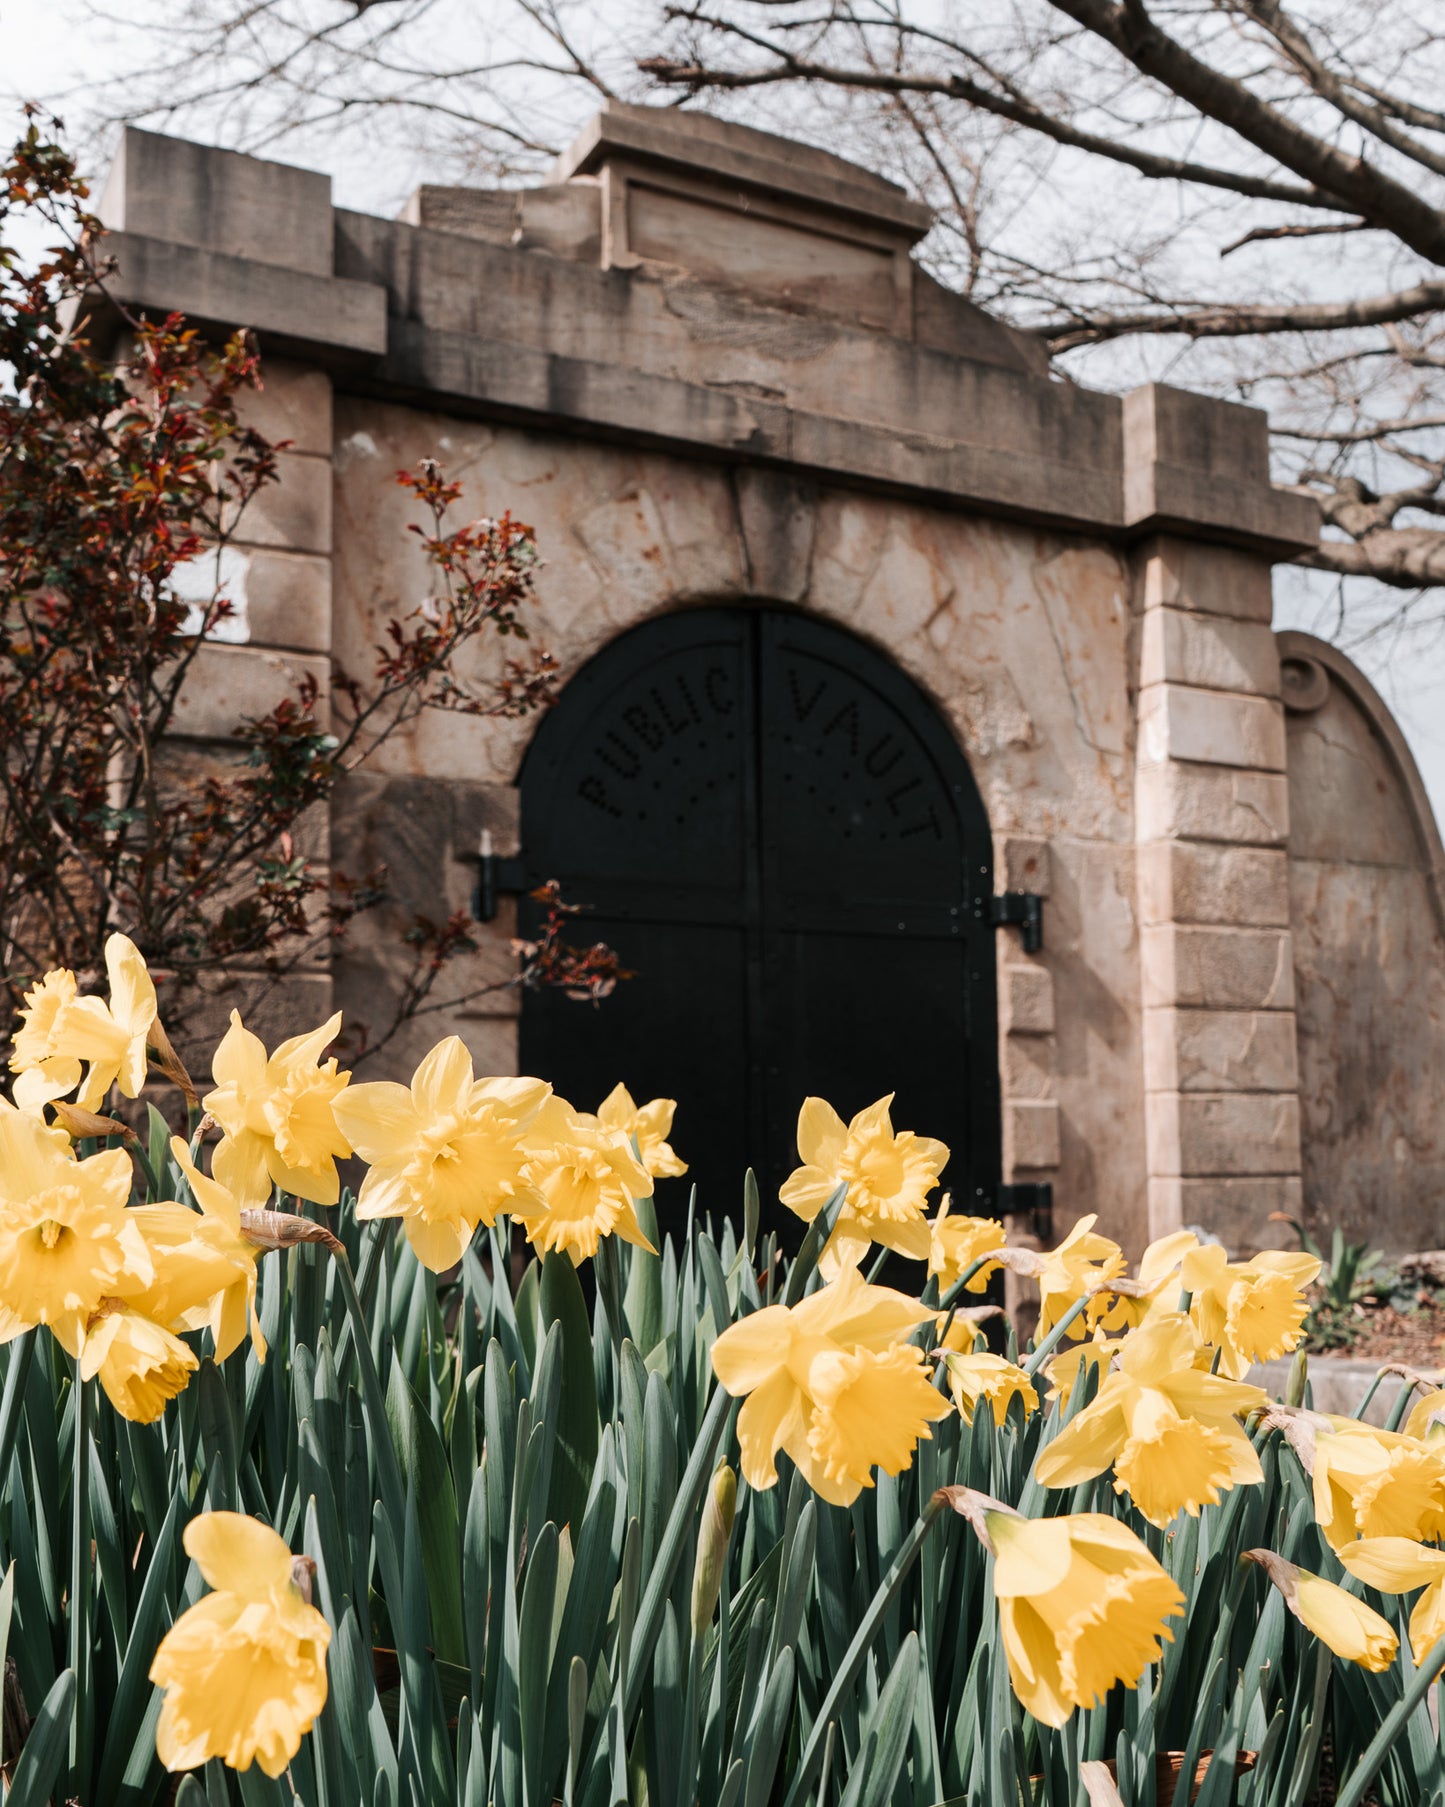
{"points": [[50, 51]]}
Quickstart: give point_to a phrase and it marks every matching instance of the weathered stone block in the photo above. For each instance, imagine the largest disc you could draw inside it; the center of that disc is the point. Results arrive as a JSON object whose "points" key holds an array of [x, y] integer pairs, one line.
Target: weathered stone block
{"points": [[1206, 803], [1210, 652], [497, 808], [1030, 1136], [1021, 863], [778, 517], [1217, 968], [1205, 579], [1209, 1133], [226, 685], [1220, 1051], [194, 194], [287, 599], [1237, 1211], [1028, 1068], [1210, 727], [294, 311], [1026, 1000], [1190, 881], [293, 514], [294, 403]]}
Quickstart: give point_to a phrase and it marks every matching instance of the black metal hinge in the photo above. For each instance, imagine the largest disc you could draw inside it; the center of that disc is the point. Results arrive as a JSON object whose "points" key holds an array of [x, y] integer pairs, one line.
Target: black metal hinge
{"points": [[496, 874], [1029, 1198], [1021, 909]]}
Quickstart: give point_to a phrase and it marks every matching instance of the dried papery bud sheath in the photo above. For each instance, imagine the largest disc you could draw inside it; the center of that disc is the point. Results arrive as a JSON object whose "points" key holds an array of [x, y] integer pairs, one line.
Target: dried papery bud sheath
{"points": [[1126, 1289], [303, 1574], [78, 1123], [713, 1537], [974, 1506], [1027, 1262], [1299, 1427], [170, 1063], [1284, 1575], [273, 1230]]}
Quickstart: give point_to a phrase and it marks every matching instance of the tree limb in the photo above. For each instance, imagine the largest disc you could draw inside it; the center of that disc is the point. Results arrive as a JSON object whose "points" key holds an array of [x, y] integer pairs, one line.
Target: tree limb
{"points": [[1353, 181], [790, 68], [1229, 320]]}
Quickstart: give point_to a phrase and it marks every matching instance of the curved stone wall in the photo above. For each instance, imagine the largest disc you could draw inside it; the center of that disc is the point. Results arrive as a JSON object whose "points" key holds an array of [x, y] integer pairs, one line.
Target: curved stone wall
{"points": [[1367, 909]]}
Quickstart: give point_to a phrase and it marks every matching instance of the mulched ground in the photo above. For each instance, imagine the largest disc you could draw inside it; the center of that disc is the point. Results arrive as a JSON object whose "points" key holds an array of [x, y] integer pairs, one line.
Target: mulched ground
{"points": [[1399, 1316]]}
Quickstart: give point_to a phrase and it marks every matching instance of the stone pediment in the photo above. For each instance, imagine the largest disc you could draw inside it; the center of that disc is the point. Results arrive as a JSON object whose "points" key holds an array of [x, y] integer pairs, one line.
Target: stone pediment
{"points": [[684, 194]]}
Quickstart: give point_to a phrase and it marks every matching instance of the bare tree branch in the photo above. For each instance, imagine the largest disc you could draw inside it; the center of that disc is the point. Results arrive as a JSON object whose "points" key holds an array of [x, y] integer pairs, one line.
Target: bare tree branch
{"points": [[1232, 321], [958, 87]]}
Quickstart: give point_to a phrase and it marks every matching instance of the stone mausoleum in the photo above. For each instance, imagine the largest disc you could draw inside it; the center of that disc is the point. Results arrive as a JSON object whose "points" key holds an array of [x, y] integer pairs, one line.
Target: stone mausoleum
{"points": [[923, 727]]}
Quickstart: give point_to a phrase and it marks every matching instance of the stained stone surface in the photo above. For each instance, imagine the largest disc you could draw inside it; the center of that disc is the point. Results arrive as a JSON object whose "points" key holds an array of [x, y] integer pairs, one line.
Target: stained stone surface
{"points": [[1370, 965]]}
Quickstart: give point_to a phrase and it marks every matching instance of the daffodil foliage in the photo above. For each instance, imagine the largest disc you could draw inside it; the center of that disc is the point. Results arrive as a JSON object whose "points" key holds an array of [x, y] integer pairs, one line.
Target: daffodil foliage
{"points": [[469, 1486]]}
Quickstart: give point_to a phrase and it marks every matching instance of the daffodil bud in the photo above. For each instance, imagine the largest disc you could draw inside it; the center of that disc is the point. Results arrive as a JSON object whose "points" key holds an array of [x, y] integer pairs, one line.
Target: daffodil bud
{"points": [[713, 1536], [1350, 1628], [1299, 1373]]}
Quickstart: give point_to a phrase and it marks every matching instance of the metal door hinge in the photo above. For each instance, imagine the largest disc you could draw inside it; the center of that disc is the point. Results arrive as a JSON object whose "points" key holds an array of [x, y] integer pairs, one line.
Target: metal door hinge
{"points": [[1021, 909], [1029, 1198], [496, 874]]}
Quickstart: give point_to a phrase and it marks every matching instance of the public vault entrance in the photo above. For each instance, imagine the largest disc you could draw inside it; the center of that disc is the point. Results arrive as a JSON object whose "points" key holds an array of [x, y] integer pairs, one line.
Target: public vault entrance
{"points": [[778, 833]]}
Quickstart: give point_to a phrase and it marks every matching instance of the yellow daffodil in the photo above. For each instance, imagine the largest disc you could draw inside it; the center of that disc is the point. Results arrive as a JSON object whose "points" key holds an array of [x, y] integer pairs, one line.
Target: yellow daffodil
{"points": [[1168, 1429], [1080, 1262], [447, 1153], [1398, 1565], [43, 1071], [59, 1030], [972, 1378], [1427, 1417], [205, 1266], [141, 1366], [277, 1114], [66, 1239], [1373, 1483], [244, 1670], [583, 1178], [955, 1243], [649, 1125], [832, 1382], [1082, 1604], [1351, 1629], [1252, 1311], [888, 1176]]}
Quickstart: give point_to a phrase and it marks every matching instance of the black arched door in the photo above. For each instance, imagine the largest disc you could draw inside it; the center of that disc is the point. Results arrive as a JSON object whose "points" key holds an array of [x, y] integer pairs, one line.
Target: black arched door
{"points": [[777, 832]]}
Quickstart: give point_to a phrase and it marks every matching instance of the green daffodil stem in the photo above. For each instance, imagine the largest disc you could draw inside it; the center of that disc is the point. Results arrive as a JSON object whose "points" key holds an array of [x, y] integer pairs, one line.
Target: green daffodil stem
{"points": [[388, 1474], [1392, 1727], [78, 1625], [373, 1239], [859, 1648], [960, 1285], [1056, 1335]]}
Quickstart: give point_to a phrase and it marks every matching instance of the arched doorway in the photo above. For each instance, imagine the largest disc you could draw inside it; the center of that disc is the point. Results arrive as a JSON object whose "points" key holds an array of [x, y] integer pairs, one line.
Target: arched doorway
{"points": [[777, 831]]}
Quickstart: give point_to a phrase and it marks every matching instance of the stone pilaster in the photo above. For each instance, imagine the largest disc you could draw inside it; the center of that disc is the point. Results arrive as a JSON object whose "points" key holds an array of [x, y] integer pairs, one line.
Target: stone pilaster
{"points": [[1220, 1071]]}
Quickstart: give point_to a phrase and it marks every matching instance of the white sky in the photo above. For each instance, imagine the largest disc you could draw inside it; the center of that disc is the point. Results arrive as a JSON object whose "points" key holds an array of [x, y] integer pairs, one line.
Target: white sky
{"points": [[49, 52]]}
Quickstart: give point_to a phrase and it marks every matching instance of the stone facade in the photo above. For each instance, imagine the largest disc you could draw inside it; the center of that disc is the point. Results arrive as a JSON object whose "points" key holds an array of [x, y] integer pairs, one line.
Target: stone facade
{"points": [[702, 363]]}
